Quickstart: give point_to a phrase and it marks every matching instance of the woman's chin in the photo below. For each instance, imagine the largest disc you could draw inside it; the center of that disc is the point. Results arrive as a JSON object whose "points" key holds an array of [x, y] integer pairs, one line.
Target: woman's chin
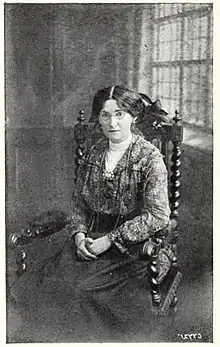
{"points": [[115, 137]]}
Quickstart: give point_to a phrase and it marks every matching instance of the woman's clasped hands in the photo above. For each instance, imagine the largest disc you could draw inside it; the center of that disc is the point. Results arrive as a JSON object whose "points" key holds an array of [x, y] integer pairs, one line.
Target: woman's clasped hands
{"points": [[89, 249]]}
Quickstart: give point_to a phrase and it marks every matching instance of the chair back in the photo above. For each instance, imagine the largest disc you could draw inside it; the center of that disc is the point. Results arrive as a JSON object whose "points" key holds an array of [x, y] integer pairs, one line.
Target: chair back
{"points": [[165, 136]]}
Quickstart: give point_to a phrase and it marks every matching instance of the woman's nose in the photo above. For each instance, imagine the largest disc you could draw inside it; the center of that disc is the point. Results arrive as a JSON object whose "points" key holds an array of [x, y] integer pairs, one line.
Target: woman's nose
{"points": [[113, 121]]}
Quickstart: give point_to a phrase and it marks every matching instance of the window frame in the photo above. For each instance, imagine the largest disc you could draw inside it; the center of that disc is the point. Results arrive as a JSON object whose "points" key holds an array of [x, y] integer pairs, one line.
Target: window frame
{"points": [[181, 63]]}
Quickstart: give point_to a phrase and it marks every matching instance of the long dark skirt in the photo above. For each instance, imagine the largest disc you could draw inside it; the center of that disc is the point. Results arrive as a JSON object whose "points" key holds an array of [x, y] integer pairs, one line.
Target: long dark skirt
{"points": [[69, 300]]}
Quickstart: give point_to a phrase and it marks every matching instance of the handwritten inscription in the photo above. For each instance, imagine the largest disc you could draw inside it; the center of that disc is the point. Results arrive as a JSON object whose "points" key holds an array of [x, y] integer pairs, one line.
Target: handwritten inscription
{"points": [[190, 336]]}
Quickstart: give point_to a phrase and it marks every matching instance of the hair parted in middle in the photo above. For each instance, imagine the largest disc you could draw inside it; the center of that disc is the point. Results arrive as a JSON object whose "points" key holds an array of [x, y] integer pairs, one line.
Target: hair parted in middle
{"points": [[128, 100]]}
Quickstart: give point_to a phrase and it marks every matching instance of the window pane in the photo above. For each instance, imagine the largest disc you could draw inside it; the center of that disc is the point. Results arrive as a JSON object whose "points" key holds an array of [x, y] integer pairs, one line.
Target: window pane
{"points": [[167, 9], [156, 11], [166, 87], [166, 74], [163, 10], [195, 38], [155, 38], [196, 103], [195, 49], [175, 90], [211, 36], [195, 94], [170, 105], [194, 27], [193, 113], [187, 50], [154, 76], [155, 89], [203, 26], [192, 7], [154, 53], [203, 48], [210, 97], [167, 42], [162, 33], [177, 8], [187, 107]]}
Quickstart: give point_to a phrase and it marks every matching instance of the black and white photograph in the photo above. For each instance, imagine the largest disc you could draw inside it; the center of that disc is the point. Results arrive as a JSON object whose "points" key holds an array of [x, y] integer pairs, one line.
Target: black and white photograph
{"points": [[108, 172]]}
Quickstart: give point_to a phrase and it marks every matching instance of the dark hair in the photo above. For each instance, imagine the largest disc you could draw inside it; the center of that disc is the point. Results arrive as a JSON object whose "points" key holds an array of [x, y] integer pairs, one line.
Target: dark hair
{"points": [[128, 100]]}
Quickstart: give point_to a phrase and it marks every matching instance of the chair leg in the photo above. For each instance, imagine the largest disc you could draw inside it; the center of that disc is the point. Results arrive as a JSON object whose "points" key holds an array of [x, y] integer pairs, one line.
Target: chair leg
{"points": [[21, 262], [156, 296], [173, 305], [174, 301]]}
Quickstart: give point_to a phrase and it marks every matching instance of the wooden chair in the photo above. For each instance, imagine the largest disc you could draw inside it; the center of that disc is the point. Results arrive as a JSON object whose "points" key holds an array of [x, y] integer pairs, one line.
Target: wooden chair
{"points": [[162, 135]]}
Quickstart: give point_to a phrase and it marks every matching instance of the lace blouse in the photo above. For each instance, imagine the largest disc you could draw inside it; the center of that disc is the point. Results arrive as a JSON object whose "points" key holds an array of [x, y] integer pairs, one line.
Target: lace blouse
{"points": [[114, 153], [138, 186]]}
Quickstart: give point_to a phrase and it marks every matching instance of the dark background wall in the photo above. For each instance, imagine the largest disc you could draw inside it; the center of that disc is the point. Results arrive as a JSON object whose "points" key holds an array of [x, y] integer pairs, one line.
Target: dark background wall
{"points": [[57, 56]]}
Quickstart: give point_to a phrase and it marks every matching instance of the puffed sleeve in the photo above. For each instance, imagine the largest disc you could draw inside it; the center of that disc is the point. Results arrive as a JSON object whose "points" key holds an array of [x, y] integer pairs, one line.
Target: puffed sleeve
{"points": [[155, 211]]}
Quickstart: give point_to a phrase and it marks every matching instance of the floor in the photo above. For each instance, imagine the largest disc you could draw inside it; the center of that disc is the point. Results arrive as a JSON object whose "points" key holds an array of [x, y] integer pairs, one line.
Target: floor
{"points": [[194, 314]]}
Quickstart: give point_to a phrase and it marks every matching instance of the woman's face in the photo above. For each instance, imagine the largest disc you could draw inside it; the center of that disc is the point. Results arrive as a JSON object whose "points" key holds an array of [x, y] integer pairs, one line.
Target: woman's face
{"points": [[115, 123]]}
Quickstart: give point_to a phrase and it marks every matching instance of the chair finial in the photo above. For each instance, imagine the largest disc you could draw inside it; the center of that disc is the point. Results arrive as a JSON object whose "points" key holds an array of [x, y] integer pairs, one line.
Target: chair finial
{"points": [[81, 117], [177, 118]]}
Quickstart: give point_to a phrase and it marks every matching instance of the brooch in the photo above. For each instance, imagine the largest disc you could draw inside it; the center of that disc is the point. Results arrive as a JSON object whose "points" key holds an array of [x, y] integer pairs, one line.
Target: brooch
{"points": [[108, 175]]}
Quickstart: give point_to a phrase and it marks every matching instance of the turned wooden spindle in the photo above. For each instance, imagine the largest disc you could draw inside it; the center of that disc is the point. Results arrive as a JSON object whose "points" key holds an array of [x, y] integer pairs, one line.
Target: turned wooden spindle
{"points": [[21, 262], [16, 240], [175, 184], [155, 291], [174, 303], [78, 131]]}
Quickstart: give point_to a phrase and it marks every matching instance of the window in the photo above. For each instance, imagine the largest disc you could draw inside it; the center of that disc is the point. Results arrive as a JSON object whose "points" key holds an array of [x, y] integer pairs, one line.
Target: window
{"points": [[182, 61]]}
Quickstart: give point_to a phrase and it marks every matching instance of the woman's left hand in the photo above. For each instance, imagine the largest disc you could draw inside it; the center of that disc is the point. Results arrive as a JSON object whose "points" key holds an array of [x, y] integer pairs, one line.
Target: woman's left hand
{"points": [[99, 245]]}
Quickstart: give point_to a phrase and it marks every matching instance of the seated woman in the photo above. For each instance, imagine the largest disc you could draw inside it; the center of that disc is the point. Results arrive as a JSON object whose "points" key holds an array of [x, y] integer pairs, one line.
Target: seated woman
{"points": [[98, 285]]}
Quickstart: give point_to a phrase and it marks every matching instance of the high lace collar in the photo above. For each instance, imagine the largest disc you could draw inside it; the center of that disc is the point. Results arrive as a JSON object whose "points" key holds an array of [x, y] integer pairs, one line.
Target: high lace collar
{"points": [[96, 154], [120, 147]]}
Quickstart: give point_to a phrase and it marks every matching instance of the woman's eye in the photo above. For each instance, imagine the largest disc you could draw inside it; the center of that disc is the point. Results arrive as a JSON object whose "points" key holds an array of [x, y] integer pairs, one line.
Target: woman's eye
{"points": [[104, 115], [119, 114]]}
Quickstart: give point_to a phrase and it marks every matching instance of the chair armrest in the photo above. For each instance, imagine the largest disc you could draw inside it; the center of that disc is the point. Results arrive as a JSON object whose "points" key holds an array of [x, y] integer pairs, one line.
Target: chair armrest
{"points": [[158, 250], [159, 240], [26, 236], [167, 232], [46, 224], [21, 238], [28, 252]]}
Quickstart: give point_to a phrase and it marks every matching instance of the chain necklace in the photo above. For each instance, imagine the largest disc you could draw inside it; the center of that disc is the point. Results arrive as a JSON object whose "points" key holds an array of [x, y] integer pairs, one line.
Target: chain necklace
{"points": [[108, 177]]}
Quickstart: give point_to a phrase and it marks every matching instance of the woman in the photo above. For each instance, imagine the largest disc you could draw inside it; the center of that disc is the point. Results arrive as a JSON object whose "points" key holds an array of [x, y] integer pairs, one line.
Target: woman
{"points": [[99, 282]]}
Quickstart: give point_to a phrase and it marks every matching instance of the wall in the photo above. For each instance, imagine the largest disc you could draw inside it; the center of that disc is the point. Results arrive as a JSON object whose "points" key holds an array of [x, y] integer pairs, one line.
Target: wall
{"points": [[57, 56], [29, 135]]}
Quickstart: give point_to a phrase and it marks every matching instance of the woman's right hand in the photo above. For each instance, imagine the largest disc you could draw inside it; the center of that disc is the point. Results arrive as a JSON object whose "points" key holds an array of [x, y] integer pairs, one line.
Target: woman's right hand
{"points": [[81, 245]]}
